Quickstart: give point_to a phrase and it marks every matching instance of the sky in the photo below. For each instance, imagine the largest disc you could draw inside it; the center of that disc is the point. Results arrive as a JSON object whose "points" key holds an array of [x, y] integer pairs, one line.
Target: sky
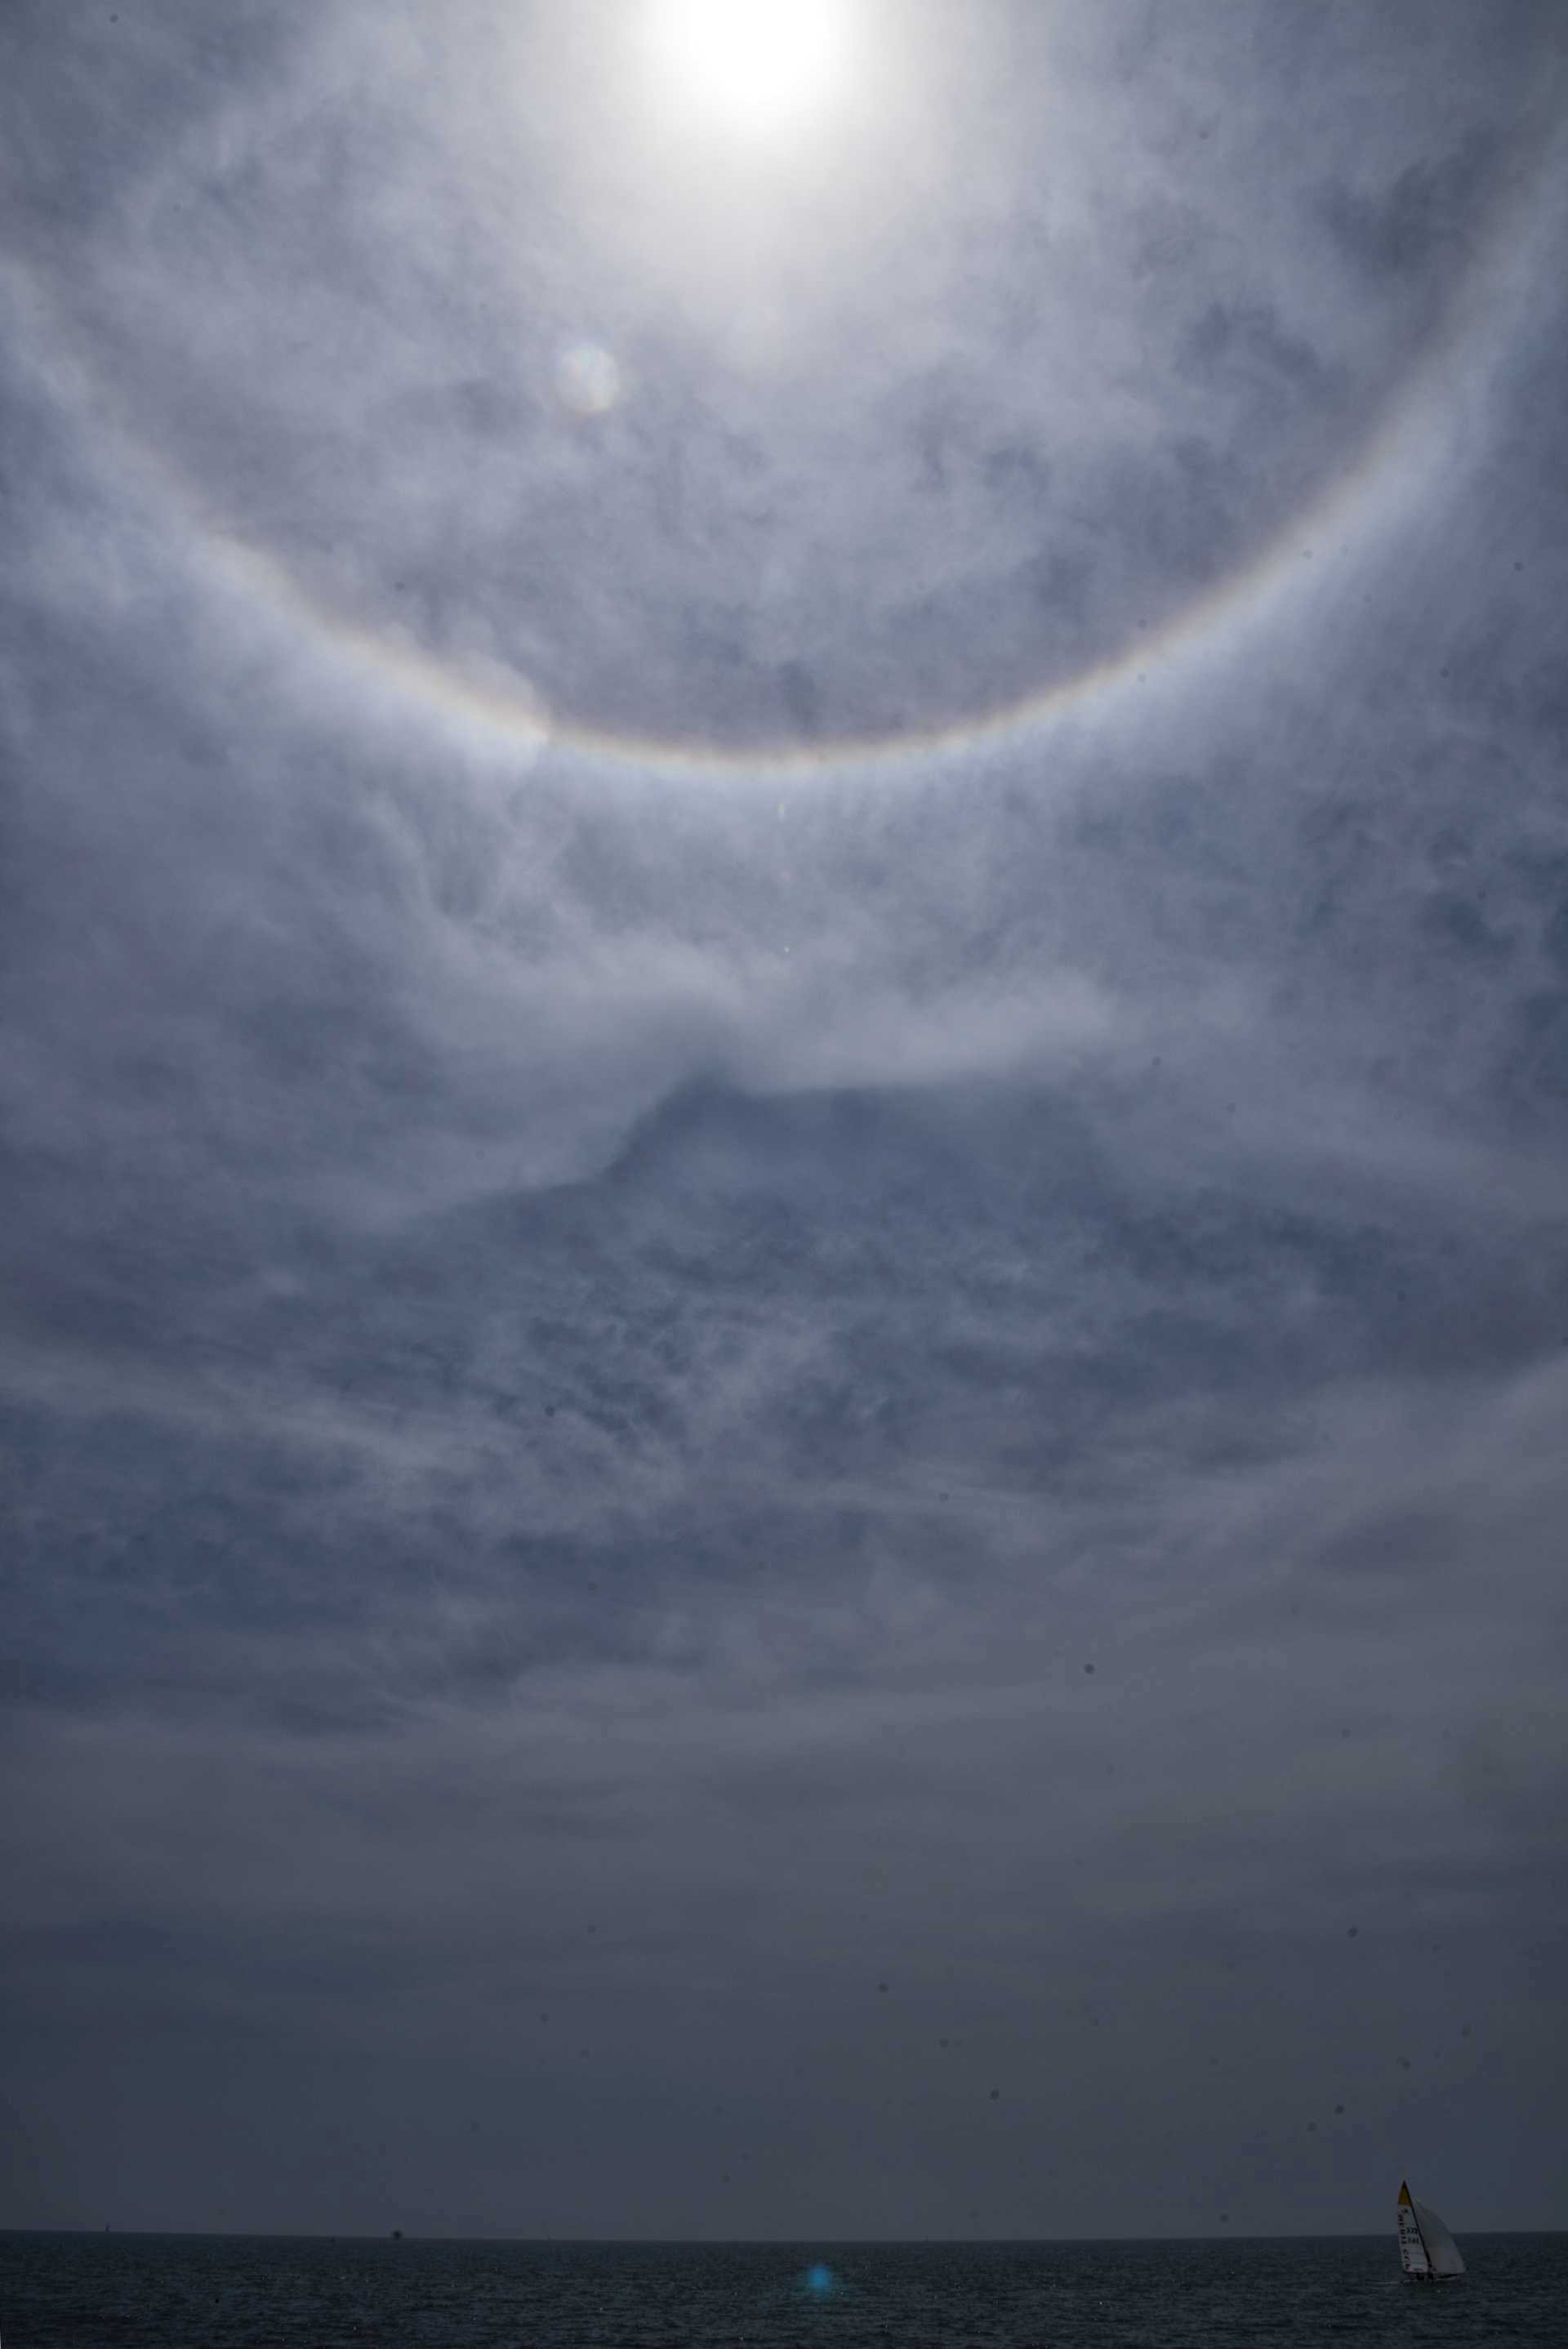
{"points": [[783, 1108]]}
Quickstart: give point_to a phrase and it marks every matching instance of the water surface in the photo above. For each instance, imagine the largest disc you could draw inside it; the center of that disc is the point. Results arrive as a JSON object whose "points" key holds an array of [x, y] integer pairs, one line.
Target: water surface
{"points": [[204, 2292]]}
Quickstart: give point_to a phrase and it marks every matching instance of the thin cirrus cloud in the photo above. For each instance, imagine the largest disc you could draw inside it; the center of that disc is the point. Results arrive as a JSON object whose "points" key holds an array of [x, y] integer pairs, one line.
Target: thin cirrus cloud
{"points": [[655, 1374]]}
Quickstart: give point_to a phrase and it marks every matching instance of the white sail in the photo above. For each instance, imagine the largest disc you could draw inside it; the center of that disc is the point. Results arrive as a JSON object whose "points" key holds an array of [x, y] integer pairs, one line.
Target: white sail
{"points": [[1426, 2249], [1412, 2251], [1442, 2251]]}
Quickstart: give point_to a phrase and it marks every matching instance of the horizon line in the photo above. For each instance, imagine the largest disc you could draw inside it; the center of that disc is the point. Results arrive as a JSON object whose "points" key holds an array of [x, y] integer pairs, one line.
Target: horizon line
{"points": [[759, 2242]]}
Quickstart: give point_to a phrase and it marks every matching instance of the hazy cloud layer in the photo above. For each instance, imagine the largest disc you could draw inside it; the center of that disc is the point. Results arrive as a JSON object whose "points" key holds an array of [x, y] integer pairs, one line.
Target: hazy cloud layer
{"points": [[699, 1460]]}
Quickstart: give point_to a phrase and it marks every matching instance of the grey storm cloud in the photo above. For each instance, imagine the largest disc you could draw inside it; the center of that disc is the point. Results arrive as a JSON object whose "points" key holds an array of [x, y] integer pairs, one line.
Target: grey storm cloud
{"points": [[687, 1329]]}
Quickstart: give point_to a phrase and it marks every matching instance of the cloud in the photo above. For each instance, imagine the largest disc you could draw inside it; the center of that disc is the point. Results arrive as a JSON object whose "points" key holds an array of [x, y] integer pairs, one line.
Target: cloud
{"points": [[654, 1392], [321, 295]]}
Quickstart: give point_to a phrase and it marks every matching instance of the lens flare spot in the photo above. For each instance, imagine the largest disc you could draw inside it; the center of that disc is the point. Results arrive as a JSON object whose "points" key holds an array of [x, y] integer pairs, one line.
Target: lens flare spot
{"points": [[587, 379]]}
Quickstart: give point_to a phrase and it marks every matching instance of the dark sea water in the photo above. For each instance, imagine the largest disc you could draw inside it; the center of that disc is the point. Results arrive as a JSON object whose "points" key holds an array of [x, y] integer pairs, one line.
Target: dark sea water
{"points": [[187, 2292]]}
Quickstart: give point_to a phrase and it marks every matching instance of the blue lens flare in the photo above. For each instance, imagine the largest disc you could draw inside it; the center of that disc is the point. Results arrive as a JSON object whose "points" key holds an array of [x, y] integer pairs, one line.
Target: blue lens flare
{"points": [[820, 2279]]}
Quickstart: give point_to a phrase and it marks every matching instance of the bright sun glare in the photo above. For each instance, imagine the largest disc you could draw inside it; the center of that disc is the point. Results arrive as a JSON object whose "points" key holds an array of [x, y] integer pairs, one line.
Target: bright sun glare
{"points": [[758, 67]]}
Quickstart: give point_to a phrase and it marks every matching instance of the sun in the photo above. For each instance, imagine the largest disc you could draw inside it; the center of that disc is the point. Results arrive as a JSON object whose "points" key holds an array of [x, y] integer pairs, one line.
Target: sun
{"points": [[756, 67]]}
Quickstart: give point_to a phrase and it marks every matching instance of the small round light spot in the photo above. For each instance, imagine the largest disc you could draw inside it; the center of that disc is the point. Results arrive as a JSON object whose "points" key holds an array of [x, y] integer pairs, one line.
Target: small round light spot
{"points": [[587, 379]]}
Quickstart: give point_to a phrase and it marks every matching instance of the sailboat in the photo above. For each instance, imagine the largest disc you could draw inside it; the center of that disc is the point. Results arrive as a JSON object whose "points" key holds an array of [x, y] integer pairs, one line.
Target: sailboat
{"points": [[1428, 2252]]}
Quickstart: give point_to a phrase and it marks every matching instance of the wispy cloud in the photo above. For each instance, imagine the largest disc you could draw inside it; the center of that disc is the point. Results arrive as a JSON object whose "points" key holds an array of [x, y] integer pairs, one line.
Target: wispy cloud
{"points": [[655, 1393]]}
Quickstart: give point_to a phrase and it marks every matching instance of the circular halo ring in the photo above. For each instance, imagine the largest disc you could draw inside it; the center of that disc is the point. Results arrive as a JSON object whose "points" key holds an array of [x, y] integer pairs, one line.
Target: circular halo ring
{"points": [[1387, 459]]}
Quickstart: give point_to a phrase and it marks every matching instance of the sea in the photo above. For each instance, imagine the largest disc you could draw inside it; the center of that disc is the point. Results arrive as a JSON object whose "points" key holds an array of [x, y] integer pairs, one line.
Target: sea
{"points": [[202, 2291]]}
